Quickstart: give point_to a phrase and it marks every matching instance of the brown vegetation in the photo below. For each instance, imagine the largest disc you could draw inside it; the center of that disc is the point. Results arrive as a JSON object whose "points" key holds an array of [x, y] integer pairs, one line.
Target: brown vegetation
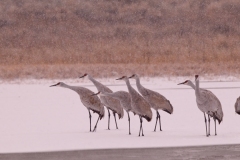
{"points": [[62, 38]]}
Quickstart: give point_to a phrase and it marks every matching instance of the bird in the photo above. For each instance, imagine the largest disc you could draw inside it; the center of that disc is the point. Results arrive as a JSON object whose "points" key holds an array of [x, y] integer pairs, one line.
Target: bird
{"points": [[139, 105], [237, 106], [92, 103], [207, 102], [155, 99], [124, 99], [111, 103]]}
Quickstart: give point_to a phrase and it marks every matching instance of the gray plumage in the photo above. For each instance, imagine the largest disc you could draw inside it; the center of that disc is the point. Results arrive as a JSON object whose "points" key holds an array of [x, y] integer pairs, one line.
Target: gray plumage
{"points": [[139, 105], [208, 103], [155, 99], [92, 103], [237, 106], [124, 99], [111, 103]]}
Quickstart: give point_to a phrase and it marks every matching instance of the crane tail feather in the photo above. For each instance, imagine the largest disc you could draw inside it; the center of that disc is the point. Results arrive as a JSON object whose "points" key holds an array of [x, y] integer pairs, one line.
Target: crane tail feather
{"points": [[215, 116], [167, 111], [147, 118], [238, 112], [219, 121]]}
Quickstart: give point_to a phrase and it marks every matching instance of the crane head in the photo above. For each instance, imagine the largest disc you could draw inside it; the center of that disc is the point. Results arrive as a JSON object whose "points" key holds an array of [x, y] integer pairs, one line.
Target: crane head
{"points": [[185, 82], [132, 76], [96, 93], [83, 75], [135, 76], [123, 77], [59, 83], [196, 77]]}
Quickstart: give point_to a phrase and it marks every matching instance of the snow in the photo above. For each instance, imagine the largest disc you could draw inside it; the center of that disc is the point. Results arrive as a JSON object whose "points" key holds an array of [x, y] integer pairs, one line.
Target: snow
{"points": [[36, 117]]}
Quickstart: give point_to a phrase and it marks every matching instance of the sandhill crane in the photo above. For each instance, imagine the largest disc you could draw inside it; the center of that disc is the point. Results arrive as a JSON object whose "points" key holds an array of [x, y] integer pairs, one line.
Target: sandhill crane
{"points": [[125, 101], [208, 103], [111, 103], [237, 106], [139, 105], [156, 100], [92, 103]]}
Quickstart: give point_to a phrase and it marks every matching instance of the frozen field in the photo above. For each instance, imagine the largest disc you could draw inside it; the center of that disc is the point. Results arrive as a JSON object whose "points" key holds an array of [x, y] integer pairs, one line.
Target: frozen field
{"points": [[36, 117]]}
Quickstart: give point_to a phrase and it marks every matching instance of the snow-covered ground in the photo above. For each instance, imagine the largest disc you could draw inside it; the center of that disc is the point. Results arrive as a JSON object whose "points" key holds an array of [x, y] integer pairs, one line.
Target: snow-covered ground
{"points": [[36, 117]]}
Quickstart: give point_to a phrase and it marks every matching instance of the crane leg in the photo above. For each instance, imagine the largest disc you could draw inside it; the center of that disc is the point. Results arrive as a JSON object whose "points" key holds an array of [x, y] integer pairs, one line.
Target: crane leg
{"points": [[159, 117], [142, 128], [215, 126], [140, 125], [90, 117], [129, 123], [108, 119], [156, 121], [114, 114], [205, 123], [95, 127], [208, 125]]}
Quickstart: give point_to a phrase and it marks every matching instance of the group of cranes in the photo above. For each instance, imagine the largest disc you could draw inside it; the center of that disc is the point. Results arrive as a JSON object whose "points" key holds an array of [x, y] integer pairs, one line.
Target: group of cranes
{"points": [[141, 102], [130, 101]]}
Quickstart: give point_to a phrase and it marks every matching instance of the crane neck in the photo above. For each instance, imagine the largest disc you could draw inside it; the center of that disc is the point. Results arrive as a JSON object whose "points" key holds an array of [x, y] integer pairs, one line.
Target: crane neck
{"points": [[96, 83], [197, 92], [130, 88], [190, 83], [65, 86], [139, 86], [91, 79], [68, 86], [78, 89]]}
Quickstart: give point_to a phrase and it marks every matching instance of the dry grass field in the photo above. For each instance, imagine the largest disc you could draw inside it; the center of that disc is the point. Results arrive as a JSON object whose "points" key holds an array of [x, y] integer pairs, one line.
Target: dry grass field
{"points": [[65, 38]]}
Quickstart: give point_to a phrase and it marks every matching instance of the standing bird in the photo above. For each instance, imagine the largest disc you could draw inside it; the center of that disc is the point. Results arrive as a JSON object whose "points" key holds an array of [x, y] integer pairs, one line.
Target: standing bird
{"points": [[237, 106], [111, 103], [139, 105], [208, 103], [92, 103], [156, 100], [124, 99]]}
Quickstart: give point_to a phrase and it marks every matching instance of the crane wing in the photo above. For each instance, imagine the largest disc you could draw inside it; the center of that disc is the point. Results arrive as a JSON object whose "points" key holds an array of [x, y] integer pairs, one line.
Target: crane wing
{"points": [[91, 102], [212, 104], [155, 96]]}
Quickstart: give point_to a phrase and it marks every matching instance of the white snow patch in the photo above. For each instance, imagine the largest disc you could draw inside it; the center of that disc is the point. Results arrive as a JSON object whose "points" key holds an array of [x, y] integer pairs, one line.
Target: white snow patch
{"points": [[36, 117]]}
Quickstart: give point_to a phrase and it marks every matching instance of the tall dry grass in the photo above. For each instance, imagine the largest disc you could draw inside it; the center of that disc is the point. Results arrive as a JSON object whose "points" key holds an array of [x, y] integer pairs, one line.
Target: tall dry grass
{"points": [[61, 38], [61, 71]]}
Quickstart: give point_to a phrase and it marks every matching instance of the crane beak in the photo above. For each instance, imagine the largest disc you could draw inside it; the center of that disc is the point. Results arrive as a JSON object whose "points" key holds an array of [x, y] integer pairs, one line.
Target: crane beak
{"points": [[180, 83], [95, 94], [83, 75], [121, 78], [54, 85]]}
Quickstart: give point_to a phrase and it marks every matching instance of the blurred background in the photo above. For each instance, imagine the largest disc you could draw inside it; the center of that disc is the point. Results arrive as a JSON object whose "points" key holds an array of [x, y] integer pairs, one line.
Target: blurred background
{"points": [[106, 38]]}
